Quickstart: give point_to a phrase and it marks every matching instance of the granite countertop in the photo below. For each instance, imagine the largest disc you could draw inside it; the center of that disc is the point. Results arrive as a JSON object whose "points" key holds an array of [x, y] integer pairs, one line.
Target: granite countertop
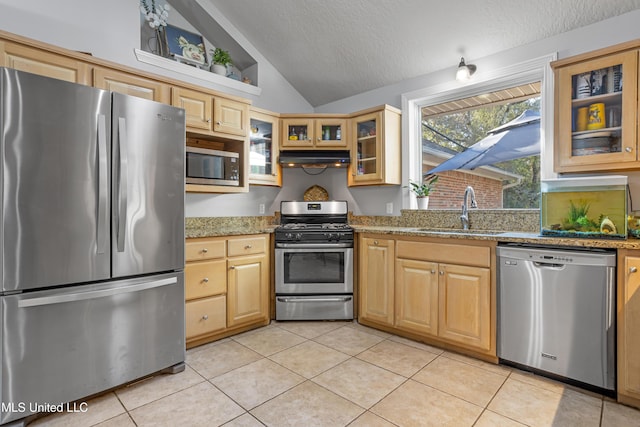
{"points": [[194, 232], [499, 236], [432, 223]]}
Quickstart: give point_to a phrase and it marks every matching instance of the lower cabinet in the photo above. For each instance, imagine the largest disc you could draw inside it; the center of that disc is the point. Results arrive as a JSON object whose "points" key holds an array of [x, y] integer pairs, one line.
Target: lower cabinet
{"points": [[376, 270], [416, 289], [226, 286], [442, 292], [465, 305], [629, 327]]}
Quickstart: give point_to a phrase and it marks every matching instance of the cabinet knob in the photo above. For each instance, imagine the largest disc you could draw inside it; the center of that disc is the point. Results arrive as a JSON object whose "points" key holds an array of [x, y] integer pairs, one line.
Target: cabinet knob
{"points": [[205, 280], [208, 120], [433, 272], [628, 149], [205, 317], [248, 247], [442, 273], [219, 123], [205, 250], [232, 267], [633, 269], [375, 242]]}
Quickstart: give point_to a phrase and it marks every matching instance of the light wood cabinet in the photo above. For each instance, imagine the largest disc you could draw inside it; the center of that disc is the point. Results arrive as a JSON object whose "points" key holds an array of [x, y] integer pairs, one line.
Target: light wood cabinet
{"points": [[376, 274], [206, 114], [227, 284], [264, 137], [198, 108], [205, 316], [416, 296], [595, 114], [248, 290], [230, 117], [628, 320], [129, 84], [442, 292], [376, 147], [303, 132], [465, 305], [38, 61]]}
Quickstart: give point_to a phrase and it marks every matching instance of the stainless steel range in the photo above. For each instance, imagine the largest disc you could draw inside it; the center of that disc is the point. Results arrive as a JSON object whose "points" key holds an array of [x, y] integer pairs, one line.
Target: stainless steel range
{"points": [[314, 262]]}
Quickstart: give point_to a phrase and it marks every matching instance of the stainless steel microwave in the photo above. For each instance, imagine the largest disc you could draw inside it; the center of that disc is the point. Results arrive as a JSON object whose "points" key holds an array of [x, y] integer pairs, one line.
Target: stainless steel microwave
{"points": [[212, 167]]}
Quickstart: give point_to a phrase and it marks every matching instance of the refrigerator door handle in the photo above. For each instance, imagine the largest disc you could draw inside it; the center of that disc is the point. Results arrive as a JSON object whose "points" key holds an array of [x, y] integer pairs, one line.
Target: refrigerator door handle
{"points": [[82, 296], [122, 183], [101, 232]]}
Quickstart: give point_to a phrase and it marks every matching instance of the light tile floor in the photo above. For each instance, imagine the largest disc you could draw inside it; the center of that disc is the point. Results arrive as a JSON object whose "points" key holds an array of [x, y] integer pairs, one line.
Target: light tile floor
{"points": [[338, 374]]}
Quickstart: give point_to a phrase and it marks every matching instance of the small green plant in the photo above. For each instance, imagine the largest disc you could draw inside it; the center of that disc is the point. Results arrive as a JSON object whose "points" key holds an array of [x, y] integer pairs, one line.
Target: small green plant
{"points": [[427, 186], [577, 218], [220, 57]]}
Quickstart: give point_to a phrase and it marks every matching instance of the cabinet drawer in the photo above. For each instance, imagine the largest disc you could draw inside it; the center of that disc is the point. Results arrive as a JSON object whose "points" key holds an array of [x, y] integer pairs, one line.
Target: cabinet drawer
{"points": [[478, 256], [248, 246], [204, 249], [205, 315], [203, 279]]}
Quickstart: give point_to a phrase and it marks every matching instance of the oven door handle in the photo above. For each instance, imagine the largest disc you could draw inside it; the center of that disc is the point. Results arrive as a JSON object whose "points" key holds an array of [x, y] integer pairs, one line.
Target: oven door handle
{"points": [[313, 245], [314, 299]]}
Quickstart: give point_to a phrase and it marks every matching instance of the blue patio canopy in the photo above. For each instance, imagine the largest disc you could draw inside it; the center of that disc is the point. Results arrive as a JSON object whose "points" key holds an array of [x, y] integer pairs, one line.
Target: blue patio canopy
{"points": [[515, 139]]}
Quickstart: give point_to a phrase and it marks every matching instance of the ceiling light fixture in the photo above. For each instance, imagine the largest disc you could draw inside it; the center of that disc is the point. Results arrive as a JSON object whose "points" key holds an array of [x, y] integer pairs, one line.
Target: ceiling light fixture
{"points": [[465, 71]]}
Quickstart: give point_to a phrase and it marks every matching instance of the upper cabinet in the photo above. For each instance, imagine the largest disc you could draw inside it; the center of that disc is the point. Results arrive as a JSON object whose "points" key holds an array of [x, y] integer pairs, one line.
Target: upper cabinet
{"points": [[596, 115], [300, 132], [263, 148], [210, 115], [376, 147], [49, 64], [128, 84]]}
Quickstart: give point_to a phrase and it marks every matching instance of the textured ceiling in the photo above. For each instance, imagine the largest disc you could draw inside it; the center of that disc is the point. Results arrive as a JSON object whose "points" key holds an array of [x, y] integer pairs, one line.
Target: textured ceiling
{"points": [[332, 49]]}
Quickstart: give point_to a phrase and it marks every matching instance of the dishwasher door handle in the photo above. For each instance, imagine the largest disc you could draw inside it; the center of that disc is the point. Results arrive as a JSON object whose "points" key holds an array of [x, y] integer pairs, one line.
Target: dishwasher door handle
{"points": [[550, 265]]}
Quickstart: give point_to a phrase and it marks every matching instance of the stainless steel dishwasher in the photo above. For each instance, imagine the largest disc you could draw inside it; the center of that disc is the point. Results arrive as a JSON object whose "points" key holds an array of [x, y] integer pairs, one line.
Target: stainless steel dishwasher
{"points": [[556, 312]]}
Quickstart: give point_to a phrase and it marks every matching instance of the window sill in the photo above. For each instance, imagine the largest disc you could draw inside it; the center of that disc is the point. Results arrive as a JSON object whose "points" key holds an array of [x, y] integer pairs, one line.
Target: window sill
{"points": [[168, 64]]}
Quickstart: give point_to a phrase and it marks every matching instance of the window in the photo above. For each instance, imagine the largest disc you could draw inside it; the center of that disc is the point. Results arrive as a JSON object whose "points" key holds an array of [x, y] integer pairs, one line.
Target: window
{"points": [[453, 127], [527, 84]]}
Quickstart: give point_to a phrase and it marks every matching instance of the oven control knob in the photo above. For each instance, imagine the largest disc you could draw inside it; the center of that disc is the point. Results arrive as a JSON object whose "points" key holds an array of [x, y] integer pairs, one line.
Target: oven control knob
{"points": [[288, 235], [298, 236]]}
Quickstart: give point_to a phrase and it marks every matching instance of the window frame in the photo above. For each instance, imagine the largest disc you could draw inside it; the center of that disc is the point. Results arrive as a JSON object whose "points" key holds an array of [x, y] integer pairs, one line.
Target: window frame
{"points": [[537, 69]]}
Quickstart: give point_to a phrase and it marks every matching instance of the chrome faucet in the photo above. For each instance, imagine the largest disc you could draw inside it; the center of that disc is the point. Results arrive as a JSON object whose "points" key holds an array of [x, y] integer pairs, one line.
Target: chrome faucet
{"points": [[465, 210]]}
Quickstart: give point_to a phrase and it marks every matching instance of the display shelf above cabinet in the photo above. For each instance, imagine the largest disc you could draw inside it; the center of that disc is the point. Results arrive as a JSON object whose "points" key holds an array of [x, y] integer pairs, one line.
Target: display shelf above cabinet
{"points": [[205, 76]]}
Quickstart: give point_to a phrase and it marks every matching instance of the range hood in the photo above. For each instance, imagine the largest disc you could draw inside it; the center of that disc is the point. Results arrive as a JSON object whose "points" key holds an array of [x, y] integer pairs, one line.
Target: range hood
{"points": [[315, 158]]}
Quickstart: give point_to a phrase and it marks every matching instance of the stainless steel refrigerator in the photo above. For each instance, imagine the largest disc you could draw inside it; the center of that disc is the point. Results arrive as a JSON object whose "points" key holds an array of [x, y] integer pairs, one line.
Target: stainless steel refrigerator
{"points": [[91, 240]]}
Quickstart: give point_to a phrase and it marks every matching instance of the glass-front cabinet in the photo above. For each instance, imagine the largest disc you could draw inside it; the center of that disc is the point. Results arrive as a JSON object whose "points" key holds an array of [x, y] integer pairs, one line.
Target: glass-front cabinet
{"points": [[375, 151], [309, 132], [596, 107], [263, 153]]}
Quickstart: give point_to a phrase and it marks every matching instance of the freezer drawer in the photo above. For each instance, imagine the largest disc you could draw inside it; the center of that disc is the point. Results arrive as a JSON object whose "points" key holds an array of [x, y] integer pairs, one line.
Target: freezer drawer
{"points": [[65, 344]]}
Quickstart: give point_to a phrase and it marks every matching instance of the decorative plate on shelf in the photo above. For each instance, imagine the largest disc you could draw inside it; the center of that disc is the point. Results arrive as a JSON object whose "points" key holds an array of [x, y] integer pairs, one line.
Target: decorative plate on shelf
{"points": [[315, 193]]}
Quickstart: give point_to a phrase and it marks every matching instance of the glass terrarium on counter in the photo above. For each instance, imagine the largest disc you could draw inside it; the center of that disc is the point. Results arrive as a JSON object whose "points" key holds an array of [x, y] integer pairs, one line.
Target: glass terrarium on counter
{"points": [[589, 207]]}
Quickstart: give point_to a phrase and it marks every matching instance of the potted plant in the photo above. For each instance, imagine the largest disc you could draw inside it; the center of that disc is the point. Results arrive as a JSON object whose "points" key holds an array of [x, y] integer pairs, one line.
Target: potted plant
{"points": [[219, 60], [422, 190]]}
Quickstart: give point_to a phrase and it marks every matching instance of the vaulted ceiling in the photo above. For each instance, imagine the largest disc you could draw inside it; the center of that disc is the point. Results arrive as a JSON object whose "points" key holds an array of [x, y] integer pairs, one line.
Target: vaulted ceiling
{"points": [[332, 49]]}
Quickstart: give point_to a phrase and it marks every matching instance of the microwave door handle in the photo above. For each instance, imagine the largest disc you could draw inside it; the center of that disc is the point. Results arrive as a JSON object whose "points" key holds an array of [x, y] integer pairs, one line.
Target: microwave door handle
{"points": [[122, 183], [103, 187]]}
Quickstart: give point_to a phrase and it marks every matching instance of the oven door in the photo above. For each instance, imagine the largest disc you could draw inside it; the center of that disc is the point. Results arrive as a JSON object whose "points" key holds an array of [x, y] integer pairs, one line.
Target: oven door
{"points": [[314, 269]]}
